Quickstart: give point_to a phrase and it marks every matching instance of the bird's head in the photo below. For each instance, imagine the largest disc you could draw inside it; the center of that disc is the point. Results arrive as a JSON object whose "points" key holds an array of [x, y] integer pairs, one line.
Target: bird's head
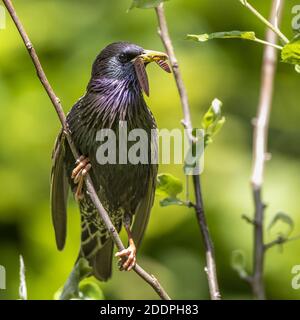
{"points": [[127, 61]]}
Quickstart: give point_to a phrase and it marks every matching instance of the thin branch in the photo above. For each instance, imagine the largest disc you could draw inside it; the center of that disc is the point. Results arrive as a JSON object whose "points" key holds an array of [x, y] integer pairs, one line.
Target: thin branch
{"points": [[260, 139], [210, 258], [150, 279], [268, 44], [273, 25], [248, 219], [22, 286], [280, 240]]}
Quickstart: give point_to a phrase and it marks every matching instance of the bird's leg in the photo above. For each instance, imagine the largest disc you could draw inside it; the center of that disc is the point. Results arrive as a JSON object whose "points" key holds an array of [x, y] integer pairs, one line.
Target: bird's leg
{"points": [[80, 171], [128, 256]]}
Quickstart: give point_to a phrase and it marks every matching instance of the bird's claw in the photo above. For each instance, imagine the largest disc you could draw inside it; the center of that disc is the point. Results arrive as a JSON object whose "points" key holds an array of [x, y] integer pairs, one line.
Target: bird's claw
{"points": [[80, 171], [127, 258], [82, 167]]}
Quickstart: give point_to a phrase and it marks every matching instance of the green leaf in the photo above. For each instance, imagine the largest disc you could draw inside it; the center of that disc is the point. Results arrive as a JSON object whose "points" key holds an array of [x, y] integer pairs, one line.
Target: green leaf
{"points": [[71, 288], [291, 52], [57, 294], [283, 217], [89, 289], [213, 114], [145, 4], [168, 185], [297, 68], [171, 202], [213, 121], [238, 263], [248, 35]]}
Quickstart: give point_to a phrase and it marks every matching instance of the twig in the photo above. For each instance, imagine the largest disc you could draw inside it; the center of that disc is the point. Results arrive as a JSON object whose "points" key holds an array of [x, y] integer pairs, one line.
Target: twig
{"points": [[210, 259], [273, 25], [260, 137], [22, 287], [268, 44], [248, 219], [280, 240], [150, 279]]}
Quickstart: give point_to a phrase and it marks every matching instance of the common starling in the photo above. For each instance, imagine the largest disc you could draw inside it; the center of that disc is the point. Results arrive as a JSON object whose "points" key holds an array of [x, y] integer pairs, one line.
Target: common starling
{"points": [[114, 93]]}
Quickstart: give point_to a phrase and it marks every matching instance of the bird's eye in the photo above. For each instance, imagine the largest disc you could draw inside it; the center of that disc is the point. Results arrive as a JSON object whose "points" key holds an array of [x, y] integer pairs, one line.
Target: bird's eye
{"points": [[123, 57]]}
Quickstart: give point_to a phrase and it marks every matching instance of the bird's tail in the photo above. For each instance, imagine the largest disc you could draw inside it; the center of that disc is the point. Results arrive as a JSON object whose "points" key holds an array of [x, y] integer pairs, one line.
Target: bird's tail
{"points": [[102, 261], [97, 249]]}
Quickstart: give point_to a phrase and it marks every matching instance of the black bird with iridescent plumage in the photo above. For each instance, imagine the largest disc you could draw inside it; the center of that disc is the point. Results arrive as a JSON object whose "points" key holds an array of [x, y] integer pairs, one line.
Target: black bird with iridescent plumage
{"points": [[114, 94]]}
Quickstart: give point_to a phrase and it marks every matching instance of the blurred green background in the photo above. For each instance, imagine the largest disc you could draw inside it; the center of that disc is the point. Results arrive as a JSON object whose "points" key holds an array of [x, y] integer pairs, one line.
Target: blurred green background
{"points": [[67, 36]]}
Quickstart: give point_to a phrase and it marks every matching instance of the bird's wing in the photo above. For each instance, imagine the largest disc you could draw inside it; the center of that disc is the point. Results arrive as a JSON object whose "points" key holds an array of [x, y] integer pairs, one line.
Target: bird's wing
{"points": [[59, 191], [143, 210]]}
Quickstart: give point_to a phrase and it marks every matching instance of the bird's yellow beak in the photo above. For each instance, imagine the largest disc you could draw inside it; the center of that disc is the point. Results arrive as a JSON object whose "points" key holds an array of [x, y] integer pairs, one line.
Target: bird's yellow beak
{"points": [[153, 56], [142, 60]]}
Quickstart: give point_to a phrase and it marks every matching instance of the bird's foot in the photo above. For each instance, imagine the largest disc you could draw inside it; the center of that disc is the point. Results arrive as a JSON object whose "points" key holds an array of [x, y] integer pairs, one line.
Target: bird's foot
{"points": [[127, 258], [80, 171]]}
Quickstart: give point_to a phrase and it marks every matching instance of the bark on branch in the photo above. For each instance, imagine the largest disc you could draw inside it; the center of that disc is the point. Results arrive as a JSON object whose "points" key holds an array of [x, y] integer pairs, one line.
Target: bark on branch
{"points": [[199, 208], [260, 155]]}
